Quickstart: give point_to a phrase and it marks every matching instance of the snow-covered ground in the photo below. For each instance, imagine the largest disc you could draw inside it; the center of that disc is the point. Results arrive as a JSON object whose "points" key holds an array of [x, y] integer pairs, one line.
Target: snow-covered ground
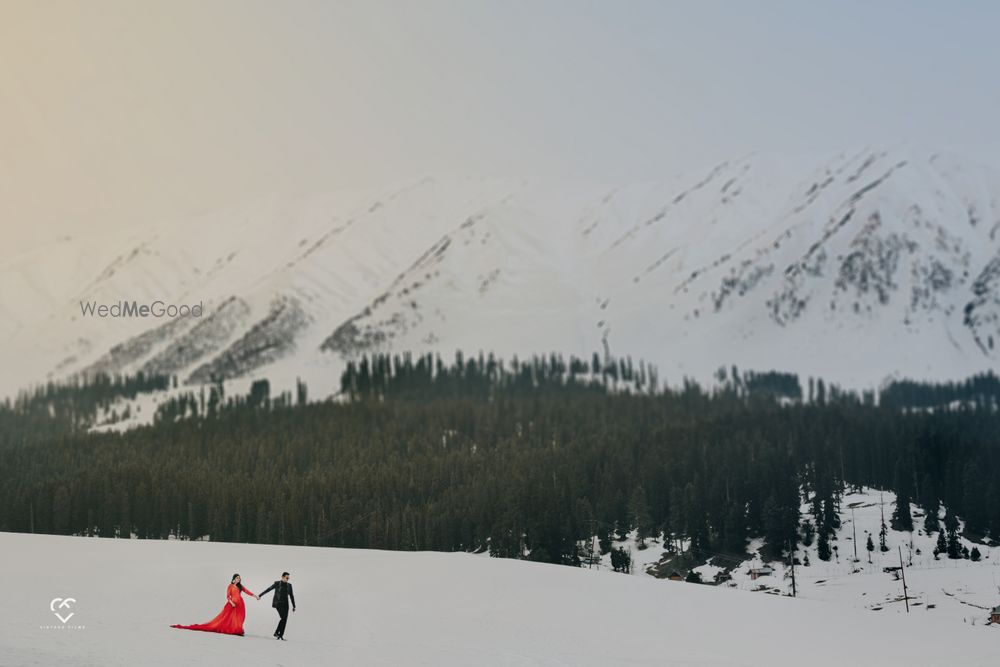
{"points": [[360, 607], [952, 592]]}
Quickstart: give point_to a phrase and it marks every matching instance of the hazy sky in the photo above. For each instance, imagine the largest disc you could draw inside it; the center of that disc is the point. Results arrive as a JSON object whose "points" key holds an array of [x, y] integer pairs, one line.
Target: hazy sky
{"points": [[124, 112]]}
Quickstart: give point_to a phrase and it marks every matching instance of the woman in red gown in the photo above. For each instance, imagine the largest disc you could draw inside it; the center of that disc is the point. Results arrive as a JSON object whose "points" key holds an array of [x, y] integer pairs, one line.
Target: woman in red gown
{"points": [[230, 619]]}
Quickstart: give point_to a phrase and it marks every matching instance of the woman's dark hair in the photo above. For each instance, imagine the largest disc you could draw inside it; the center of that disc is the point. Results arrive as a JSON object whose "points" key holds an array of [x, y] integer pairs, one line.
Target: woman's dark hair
{"points": [[233, 581]]}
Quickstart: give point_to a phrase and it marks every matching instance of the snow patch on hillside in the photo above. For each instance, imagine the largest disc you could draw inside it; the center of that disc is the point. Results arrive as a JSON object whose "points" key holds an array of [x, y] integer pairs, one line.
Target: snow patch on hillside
{"points": [[953, 592]]}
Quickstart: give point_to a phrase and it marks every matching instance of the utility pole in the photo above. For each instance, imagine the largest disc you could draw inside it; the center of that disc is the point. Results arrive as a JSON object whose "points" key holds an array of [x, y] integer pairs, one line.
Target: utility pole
{"points": [[902, 573], [593, 539], [881, 531], [854, 529], [793, 575], [791, 561]]}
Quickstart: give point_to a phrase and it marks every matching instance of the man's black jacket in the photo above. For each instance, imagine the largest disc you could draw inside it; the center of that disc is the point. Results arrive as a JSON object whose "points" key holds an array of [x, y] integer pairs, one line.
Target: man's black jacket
{"points": [[282, 594]]}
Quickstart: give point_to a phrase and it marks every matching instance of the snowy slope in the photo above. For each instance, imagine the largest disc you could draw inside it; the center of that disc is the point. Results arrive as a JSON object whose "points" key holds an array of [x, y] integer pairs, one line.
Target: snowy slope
{"points": [[954, 592], [856, 267], [274, 278], [957, 589], [389, 608]]}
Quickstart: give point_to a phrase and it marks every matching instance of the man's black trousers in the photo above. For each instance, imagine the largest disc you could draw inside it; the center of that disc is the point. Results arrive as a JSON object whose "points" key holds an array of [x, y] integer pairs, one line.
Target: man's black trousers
{"points": [[282, 610]]}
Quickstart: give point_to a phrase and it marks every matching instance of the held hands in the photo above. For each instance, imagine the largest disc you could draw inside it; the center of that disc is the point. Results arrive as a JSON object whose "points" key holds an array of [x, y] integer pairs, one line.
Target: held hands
{"points": [[257, 596]]}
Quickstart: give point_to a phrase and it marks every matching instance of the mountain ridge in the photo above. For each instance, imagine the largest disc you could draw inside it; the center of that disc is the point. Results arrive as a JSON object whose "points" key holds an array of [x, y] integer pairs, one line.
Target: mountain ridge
{"points": [[858, 268]]}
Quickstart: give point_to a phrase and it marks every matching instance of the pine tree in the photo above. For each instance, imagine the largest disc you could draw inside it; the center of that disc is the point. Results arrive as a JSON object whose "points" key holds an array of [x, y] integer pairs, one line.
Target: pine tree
{"points": [[604, 540], [870, 546], [901, 517], [823, 546], [678, 517], [61, 507], [621, 560], [640, 517], [954, 543], [931, 504], [734, 529], [808, 532]]}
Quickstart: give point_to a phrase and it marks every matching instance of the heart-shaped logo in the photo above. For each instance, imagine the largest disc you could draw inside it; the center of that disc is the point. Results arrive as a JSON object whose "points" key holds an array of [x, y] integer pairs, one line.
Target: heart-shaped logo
{"points": [[62, 603]]}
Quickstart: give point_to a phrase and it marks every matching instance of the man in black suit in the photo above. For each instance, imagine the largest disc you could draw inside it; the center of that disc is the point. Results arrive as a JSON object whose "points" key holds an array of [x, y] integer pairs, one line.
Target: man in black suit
{"points": [[282, 595]]}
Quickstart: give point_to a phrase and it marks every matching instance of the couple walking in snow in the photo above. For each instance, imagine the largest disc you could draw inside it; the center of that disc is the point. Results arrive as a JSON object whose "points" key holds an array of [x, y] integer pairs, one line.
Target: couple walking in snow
{"points": [[230, 619]]}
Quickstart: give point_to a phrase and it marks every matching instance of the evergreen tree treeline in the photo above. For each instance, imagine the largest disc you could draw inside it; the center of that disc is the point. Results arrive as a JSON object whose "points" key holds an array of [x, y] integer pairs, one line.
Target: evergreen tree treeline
{"points": [[56, 408], [525, 459]]}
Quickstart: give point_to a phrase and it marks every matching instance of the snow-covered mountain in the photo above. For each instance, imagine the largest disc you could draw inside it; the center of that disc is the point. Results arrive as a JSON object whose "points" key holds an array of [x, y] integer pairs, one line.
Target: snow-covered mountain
{"points": [[366, 608], [866, 265]]}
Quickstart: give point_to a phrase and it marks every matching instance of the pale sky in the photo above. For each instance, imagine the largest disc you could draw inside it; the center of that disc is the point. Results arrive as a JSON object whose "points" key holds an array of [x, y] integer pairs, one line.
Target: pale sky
{"points": [[126, 112]]}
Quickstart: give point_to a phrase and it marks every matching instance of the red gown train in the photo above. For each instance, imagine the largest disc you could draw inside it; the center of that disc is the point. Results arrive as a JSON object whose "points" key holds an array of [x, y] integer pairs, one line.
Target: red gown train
{"points": [[230, 619]]}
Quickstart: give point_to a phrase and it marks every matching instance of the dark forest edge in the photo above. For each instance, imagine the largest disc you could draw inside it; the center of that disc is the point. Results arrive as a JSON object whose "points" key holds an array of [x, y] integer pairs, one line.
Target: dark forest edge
{"points": [[525, 459]]}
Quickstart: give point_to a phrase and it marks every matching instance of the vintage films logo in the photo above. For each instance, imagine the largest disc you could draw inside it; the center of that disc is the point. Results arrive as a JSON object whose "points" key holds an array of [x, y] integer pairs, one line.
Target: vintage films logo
{"points": [[62, 609]]}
